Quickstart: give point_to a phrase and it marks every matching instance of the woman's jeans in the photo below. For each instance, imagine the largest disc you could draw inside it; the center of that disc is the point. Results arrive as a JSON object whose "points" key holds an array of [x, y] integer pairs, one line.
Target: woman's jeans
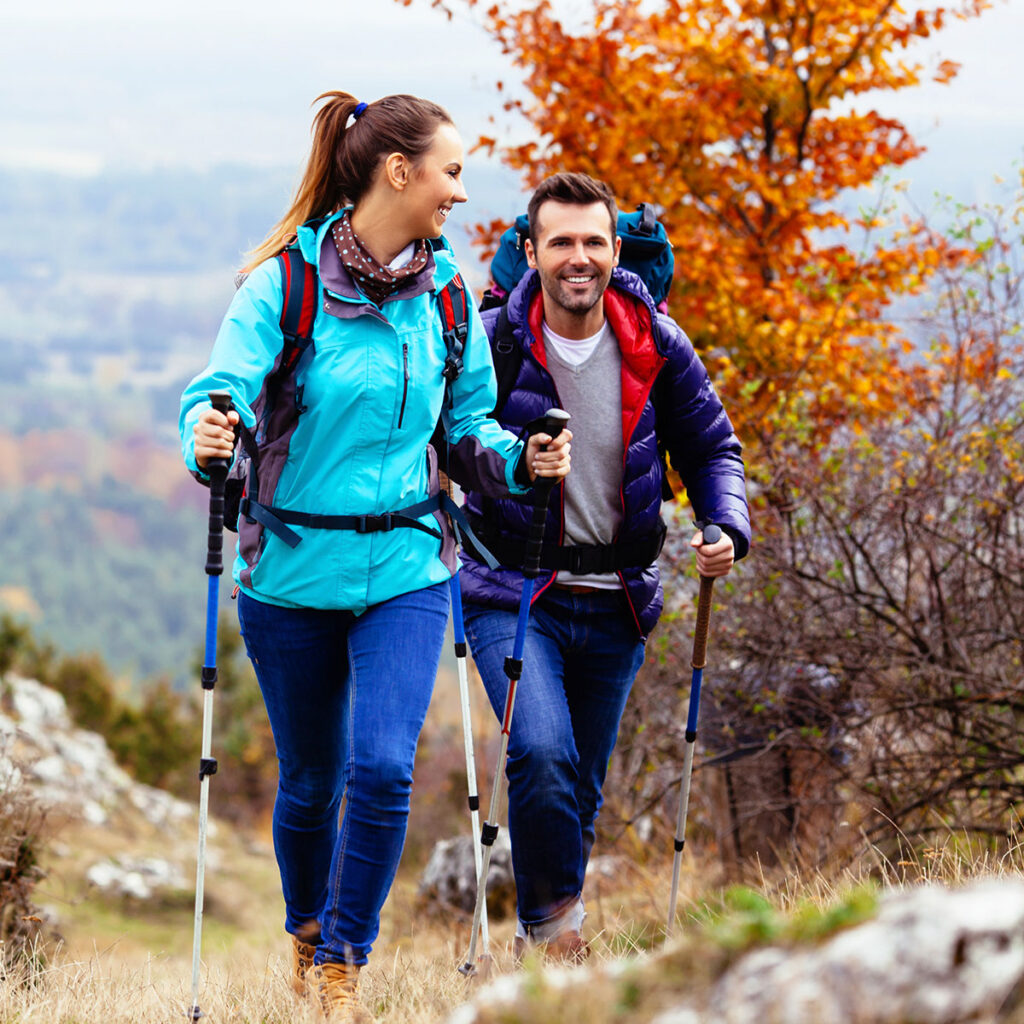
{"points": [[346, 696], [580, 658]]}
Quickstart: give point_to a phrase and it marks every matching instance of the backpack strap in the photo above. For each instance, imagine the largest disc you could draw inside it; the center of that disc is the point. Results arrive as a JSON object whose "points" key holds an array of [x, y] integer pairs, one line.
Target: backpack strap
{"points": [[300, 288], [661, 403], [452, 304], [507, 356], [454, 307], [299, 309]]}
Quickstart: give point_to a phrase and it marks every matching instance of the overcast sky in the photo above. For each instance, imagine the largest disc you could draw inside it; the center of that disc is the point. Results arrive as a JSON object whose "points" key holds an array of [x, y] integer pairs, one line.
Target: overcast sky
{"points": [[88, 83]]}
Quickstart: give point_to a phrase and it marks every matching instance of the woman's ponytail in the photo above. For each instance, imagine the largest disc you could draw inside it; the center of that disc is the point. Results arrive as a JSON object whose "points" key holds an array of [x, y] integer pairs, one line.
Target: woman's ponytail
{"points": [[318, 193], [344, 157]]}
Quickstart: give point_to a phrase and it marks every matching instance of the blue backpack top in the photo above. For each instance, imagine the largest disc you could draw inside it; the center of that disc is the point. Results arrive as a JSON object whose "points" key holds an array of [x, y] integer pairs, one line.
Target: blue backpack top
{"points": [[646, 251]]}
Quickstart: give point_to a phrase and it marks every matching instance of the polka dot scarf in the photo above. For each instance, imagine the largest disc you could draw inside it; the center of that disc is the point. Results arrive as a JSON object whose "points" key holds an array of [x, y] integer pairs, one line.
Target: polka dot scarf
{"points": [[375, 281]]}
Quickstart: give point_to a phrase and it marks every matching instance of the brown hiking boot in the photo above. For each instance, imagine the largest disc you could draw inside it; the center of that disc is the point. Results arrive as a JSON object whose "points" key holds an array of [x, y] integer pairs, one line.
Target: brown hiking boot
{"points": [[302, 964], [303, 949], [568, 948], [337, 987]]}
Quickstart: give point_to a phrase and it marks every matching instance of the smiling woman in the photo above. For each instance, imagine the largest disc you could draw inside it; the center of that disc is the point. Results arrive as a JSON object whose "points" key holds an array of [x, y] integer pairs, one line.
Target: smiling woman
{"points": [[344, 556]]}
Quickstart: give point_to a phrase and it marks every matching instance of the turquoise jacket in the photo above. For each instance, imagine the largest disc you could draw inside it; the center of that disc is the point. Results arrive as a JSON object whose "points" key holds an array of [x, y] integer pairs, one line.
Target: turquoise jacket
{"points": [[372, 392]]}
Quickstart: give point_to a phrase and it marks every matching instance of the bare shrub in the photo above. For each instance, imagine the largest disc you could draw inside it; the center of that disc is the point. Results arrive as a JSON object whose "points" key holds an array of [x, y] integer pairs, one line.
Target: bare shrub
{"points": [[21, 836], [865, 665]]}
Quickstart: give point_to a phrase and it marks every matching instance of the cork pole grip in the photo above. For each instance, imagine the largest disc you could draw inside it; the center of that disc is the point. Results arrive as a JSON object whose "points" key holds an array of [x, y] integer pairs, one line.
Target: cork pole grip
{"points": [[700, 636]]}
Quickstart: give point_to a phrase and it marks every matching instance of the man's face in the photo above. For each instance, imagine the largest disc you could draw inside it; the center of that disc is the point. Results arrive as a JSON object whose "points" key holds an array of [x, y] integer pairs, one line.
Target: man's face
{"points": [[575, 252]]}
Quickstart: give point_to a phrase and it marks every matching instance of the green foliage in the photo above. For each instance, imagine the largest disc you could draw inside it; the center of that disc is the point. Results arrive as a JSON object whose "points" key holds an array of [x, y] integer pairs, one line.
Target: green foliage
{"points": [[15, 640], [746, 918], [87, 687], [155, 741]]}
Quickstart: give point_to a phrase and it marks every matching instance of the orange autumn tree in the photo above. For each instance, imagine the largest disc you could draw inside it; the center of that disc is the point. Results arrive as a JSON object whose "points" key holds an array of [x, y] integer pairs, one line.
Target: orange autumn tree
{"points": [[747, 124]]}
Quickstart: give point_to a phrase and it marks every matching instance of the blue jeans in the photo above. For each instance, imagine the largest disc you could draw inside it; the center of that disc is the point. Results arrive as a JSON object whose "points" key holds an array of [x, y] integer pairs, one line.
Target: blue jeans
{"points": [[346, 696], [580, 658]]}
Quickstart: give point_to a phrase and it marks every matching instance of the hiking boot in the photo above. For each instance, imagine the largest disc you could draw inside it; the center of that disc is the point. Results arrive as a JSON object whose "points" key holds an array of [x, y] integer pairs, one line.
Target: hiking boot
{"points": [[337, 985], [302, 963], [303, 949], [567, 948]]}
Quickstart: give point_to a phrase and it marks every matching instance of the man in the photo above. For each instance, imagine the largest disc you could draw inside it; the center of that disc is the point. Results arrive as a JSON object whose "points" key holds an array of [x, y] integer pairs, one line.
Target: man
{"points": [[591, 342]]}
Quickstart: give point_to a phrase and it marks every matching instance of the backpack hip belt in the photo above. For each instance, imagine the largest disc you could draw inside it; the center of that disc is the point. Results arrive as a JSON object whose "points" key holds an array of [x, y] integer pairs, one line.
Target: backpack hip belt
{"points": [[278, 521], [579, 559]]}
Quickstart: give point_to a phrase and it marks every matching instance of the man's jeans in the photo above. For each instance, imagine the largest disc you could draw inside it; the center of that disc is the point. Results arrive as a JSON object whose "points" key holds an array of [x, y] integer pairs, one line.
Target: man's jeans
{"points": [[346, 696], [581, 656]]}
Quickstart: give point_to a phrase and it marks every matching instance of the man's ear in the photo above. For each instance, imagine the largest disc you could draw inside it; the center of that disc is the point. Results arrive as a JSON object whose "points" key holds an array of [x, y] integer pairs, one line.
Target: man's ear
{"points": [[396, 171], [618, 248], [531, 256]]}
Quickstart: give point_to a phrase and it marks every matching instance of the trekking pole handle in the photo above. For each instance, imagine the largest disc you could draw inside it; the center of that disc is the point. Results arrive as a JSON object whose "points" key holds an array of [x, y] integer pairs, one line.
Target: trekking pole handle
{"points": [[711, 535], [552, 422], [217, 470]]}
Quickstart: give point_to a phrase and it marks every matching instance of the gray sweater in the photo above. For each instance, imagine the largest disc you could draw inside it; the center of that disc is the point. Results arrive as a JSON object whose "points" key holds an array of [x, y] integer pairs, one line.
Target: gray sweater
{"points": [[591, 392]]}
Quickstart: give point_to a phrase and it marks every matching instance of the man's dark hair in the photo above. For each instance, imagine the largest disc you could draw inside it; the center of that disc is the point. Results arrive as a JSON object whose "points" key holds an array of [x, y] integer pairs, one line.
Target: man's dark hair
{"points": [[574, 188]]}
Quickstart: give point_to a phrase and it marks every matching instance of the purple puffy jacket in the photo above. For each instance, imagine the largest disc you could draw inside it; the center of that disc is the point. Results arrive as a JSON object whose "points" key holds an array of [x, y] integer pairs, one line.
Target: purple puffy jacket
{"points": [[691, 424]]}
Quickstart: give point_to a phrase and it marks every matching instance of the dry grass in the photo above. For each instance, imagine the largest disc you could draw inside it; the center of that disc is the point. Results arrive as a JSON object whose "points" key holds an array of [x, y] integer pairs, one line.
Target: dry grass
{"points": [[125, 963], [413, 978]]}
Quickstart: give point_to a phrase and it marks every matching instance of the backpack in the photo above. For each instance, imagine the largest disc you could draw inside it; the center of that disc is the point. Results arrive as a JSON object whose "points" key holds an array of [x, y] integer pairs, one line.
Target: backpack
{"points": [[301, 286]]}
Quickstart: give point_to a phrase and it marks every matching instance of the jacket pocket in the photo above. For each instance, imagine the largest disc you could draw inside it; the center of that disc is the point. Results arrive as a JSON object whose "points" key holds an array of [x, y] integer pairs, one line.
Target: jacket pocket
{"points": [[405, 382]]}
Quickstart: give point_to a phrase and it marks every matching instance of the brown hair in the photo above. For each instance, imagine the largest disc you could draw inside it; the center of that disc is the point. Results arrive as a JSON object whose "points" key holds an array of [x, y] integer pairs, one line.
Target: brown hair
{"points": [[345, 157], [574, 188]]}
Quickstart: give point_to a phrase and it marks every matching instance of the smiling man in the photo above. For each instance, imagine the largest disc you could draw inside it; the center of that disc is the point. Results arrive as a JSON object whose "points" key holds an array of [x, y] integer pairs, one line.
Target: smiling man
{"points": [[589, 340]]}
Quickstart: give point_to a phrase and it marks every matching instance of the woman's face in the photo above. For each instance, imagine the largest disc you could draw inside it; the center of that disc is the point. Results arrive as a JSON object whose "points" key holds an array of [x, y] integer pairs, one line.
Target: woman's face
{"points": [[435, 185]]}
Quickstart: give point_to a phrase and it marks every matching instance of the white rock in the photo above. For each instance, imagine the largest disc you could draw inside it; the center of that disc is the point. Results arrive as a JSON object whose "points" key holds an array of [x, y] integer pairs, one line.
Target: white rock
{"points": [[137, 877], [94, 813], [931, 955], [73, 768], [49, 769], [37, 706], [679, 1015]]}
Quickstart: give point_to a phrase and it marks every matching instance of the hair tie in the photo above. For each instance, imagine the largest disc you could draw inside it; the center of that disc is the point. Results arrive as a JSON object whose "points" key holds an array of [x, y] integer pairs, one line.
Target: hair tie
{"points": [[358, 112]]}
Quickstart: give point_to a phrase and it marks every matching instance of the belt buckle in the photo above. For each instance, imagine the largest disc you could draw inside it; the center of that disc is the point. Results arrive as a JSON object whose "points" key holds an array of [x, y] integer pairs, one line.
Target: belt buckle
{"points": [[374, 523], [575, 561]]}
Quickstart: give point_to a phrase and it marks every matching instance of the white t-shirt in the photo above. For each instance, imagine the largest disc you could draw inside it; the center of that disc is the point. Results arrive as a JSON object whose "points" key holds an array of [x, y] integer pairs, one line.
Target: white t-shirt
{"points": [[572, 350]]}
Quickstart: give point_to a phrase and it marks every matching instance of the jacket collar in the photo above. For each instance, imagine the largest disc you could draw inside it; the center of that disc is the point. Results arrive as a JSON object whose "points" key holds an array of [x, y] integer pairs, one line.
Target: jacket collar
{"points": [[318, 247], [627, 304]]}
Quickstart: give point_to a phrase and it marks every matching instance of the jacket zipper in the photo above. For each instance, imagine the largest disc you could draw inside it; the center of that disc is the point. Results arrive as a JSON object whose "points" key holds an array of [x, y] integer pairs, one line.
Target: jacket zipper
{"points": [[405, 383]]}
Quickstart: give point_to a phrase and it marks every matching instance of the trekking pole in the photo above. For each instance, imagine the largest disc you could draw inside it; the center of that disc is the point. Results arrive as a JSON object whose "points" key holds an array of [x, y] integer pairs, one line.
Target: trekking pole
{"points": [[711, 534], [217, 470], [459, 633], [552, 422]]}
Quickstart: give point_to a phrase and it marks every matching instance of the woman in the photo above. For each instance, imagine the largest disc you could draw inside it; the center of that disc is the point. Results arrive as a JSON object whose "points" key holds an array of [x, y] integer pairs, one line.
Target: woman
{"points": [[344, 628]]}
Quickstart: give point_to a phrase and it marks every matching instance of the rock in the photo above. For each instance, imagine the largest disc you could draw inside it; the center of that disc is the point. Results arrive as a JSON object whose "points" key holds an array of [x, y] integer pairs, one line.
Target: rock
{"points": [[931, 956], [71, 768], [139, 878], [449, 879]]}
